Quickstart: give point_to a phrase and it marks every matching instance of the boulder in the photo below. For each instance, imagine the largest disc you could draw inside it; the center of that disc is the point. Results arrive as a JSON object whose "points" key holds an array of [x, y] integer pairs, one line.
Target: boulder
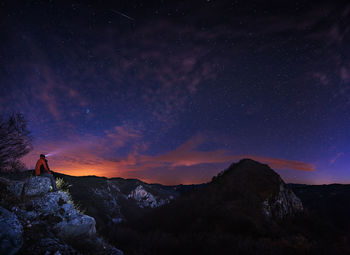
{"points": [[68, 211], [37, 186], [11, 231], [79, 226], [50, 203]]}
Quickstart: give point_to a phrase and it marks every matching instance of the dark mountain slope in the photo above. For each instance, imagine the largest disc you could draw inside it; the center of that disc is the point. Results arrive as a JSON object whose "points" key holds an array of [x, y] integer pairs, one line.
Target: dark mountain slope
{"points": [[241, 199], [246, 209], [111, 201]]}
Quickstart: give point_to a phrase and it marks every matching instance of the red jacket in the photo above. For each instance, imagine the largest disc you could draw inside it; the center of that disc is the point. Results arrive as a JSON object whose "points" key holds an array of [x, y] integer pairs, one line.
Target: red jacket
{"points": [[41, 164]]}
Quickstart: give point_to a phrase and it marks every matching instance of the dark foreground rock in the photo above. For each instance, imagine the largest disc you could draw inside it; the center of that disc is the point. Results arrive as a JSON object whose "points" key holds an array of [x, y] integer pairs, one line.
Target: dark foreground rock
{"points": [[77, 226], [37, 186], [38, 221]]}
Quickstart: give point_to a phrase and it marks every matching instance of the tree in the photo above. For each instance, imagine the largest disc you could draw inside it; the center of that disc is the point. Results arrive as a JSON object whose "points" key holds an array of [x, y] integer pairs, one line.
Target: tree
{"points": [[15, 140]]}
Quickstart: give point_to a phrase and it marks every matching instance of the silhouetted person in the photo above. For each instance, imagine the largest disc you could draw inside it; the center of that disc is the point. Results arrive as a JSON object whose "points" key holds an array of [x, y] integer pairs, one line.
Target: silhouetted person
{"points": [[42, 169]]}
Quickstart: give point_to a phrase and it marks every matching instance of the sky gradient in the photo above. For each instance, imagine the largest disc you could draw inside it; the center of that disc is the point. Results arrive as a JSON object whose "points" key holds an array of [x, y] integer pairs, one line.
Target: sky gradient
{"points": [[175, 92]]}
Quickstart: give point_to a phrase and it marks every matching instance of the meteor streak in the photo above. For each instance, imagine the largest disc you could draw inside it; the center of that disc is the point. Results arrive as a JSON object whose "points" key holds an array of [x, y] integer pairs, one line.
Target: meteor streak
{"points": [[122, 14]]}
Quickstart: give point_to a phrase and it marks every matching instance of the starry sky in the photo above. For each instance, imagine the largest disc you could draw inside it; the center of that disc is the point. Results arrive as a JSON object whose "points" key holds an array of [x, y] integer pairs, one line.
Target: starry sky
{"points": [[174, 92]]}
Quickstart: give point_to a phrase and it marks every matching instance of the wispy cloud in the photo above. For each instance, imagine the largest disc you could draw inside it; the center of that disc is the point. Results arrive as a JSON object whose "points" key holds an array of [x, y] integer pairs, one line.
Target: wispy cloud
{"points": [[187, 155], [120, 135], [89, 156]]}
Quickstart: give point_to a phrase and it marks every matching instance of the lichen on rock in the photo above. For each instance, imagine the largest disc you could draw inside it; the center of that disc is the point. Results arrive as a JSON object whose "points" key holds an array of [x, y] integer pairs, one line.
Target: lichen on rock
{"points": [[37, 186]]}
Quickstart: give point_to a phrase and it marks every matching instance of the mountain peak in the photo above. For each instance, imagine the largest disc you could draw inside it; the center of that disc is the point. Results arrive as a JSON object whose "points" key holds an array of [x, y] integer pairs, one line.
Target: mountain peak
{"points": [[248, 161], [258, 182], [249, 172]]}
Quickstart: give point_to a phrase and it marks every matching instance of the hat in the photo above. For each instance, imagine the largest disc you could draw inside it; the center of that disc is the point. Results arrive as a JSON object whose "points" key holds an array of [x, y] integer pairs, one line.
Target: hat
{"points": [[42, 155]]}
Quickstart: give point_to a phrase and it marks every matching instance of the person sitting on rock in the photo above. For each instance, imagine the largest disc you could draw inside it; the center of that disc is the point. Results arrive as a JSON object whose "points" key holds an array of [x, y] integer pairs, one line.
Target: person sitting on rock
{"points": [[42, 169]]}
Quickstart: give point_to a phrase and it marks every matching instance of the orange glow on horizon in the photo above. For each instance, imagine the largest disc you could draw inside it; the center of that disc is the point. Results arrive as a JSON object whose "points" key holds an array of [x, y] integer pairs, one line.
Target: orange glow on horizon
{"points": [[81, 156]]}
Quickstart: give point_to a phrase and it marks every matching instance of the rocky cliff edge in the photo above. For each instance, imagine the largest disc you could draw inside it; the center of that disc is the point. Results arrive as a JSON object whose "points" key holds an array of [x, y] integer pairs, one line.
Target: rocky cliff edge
{"points": [[35, 220]]}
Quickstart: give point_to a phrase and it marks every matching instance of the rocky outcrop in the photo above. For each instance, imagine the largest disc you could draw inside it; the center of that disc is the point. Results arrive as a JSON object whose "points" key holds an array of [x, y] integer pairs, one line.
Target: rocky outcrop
{"points": [[284, 204], [143, 198], [77, 226], [37, 186], [70, 223], [11, 232], [44, 219], [146, 199], [50, 203]]}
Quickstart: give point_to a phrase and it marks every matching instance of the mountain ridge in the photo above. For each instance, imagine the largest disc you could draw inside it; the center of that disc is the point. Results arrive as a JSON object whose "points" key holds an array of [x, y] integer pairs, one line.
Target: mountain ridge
{"points": [[244, 209]]}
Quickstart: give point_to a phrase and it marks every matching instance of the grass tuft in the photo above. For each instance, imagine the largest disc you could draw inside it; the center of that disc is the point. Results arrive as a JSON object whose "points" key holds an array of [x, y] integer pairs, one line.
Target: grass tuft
{"points": [[64, 186]]}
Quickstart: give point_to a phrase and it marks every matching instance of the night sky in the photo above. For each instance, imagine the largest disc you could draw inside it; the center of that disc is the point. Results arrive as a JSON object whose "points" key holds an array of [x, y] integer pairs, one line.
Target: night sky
{"points": [[175, 92]]}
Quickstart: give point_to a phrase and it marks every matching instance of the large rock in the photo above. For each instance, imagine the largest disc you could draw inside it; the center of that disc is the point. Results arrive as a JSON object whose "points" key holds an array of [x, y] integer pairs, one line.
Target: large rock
{"points": [[37, 186], [49, 219], [50, 203], [11, 232], [79, 226], [69, 211], [53, 204]]}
